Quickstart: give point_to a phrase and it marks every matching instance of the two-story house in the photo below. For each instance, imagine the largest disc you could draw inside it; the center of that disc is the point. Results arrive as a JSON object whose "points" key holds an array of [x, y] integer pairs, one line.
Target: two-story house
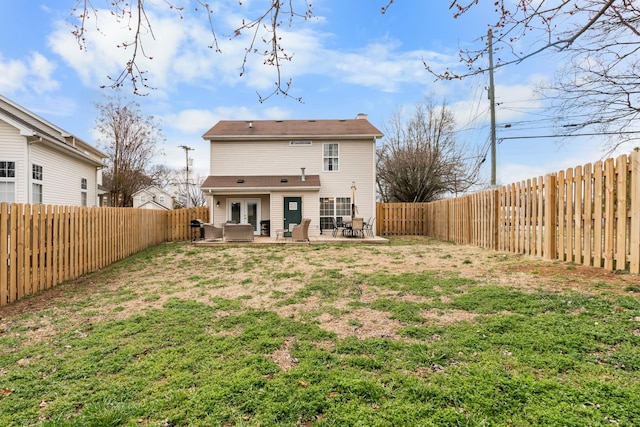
{"points": [[278, 171], [152, 197], [43, 164]]}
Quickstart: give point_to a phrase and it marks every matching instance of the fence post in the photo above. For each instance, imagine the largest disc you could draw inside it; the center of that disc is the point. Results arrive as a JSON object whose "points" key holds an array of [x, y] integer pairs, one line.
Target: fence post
{"points": [[550, 212], [495, 218], [4, 253], [634, 239]]}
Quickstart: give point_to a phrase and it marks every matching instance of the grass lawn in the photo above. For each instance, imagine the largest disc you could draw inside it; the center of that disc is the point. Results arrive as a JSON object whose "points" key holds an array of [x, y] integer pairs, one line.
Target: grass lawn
{"points": [[416, 333]]}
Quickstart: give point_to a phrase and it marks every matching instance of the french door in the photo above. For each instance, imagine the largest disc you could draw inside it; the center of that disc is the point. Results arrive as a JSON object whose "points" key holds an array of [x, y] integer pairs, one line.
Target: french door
{"points": [[245, 211]]}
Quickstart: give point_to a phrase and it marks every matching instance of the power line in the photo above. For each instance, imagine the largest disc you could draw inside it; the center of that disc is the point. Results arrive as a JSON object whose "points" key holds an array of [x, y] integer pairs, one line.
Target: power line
{"points": [[569, 135]]}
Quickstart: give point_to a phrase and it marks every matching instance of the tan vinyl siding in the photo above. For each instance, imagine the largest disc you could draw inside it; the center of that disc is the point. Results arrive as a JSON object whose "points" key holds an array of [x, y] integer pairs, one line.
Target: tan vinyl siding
{"points": [[279, 158], [310, 209], [264, 158], [355, 166]]}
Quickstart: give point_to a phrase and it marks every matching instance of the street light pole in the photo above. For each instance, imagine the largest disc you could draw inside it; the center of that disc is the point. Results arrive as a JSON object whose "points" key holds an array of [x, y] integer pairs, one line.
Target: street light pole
{"points": [[186, 182]]}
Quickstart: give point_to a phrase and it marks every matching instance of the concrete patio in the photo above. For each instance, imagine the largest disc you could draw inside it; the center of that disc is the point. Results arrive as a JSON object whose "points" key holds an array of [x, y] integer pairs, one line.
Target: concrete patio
{"points": [[323, 239]]}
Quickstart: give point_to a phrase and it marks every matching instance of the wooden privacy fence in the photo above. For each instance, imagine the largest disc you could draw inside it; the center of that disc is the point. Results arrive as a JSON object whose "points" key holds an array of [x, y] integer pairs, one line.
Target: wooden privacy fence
{"points": [[41, 246], [588, 215]]}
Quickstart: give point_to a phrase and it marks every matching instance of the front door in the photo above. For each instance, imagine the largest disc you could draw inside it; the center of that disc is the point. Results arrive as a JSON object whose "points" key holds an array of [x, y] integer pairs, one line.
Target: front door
{"points": [[292, 212], [245, 211]]}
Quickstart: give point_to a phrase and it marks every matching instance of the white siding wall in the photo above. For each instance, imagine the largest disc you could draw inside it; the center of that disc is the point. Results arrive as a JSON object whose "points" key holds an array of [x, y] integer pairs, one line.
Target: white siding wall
{"points": [[61, 176], [14, 149]]}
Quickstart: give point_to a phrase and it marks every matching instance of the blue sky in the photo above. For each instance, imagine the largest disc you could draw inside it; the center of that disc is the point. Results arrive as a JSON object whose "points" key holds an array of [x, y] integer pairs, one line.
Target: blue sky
{"points": [[349, 59]]}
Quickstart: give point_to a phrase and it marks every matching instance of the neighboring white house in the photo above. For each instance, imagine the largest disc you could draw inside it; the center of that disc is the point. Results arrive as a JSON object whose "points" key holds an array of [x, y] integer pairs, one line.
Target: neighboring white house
{"points": [[43, 164], [284, 170], [152, 198]]}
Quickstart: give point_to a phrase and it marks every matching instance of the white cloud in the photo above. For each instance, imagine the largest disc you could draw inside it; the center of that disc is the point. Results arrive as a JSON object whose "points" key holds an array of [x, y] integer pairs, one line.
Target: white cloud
{"points": [[181, 54], [40, 73], [12, 75], [190, 120], [33, 72], [199, 121]]}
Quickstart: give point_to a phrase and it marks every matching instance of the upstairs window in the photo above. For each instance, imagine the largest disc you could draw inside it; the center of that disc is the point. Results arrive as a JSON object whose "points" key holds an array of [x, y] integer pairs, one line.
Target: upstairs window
{"points": [[36, 184], [7, 181], [83, 192], [36, 171], [330, 157], [7, 169]]}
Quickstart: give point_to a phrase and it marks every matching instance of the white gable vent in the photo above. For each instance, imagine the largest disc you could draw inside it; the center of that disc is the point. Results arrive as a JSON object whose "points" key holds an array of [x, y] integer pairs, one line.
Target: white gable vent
{"points": [[300, 143]]}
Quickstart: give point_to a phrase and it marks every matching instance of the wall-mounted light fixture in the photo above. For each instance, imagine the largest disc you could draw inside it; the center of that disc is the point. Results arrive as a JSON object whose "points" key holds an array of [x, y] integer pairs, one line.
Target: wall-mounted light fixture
{"points": [[217, 203]]}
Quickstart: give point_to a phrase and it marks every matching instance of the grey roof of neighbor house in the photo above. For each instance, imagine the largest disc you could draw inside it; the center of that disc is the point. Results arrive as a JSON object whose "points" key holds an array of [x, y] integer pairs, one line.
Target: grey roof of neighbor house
{"points": [[276, 129], [261, 182]]}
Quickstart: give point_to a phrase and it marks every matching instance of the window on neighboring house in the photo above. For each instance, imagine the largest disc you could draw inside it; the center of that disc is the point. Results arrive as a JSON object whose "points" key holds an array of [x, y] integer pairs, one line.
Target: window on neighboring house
{"points": [[330, 157], [333, 208], [83, 192], [36, 184], [7, 181], [161, 199], [143, 198]]}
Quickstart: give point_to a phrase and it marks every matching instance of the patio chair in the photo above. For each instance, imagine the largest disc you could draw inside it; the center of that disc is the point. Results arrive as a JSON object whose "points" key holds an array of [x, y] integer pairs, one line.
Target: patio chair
{"points": [[300, 232], [211, 232], [357, 227], [368, 227], [338, 227]]}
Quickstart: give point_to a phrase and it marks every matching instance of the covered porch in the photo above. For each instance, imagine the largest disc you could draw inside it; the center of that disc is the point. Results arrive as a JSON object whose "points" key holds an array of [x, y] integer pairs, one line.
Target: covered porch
{"points": [[323, 239], [267, 203]]}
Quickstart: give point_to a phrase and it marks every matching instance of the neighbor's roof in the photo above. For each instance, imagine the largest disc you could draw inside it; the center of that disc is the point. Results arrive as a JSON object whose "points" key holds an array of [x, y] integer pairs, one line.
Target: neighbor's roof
{"points": [[273, 129], [260, 182], [31, 125]]}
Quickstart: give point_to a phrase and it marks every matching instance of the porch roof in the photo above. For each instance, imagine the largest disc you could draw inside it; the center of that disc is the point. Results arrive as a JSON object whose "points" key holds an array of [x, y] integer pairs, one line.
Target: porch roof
{"points": [[260, 183]]}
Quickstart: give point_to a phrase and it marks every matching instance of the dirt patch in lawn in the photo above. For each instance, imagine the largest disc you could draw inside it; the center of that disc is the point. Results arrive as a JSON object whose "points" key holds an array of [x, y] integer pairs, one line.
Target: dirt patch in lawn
{"points": [[264, 278]]}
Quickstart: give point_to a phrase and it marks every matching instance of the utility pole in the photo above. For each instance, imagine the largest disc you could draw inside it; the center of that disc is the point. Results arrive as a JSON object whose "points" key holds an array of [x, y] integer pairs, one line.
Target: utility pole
{"points": [[492, 100], [186, 182]]}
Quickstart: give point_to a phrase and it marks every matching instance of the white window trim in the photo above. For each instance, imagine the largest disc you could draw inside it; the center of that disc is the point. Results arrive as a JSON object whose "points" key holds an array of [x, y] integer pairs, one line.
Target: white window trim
{"points": [[12, 180], [38, 182], [323, 157]]}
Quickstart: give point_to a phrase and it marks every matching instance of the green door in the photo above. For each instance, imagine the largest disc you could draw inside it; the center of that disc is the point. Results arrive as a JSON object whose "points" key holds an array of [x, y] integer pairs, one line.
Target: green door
{"points": [[292, 212]]}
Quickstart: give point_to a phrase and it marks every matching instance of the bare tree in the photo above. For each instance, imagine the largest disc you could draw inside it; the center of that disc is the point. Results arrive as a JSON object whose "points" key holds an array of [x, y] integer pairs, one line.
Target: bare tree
{"points": [[129, 139], [599, 40], [161, 175], [420, 160], [263, 27], [190, 190]]}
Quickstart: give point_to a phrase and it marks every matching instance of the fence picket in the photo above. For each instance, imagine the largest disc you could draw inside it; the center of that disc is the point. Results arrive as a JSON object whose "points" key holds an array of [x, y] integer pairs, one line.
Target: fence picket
{"points": [[589, 214], [42, 245], [578, 210], [620, 255], [4, 253]]}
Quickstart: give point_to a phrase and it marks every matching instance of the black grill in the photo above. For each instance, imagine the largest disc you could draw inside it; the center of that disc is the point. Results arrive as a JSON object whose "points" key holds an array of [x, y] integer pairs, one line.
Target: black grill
{"points": [[197, 230]]}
